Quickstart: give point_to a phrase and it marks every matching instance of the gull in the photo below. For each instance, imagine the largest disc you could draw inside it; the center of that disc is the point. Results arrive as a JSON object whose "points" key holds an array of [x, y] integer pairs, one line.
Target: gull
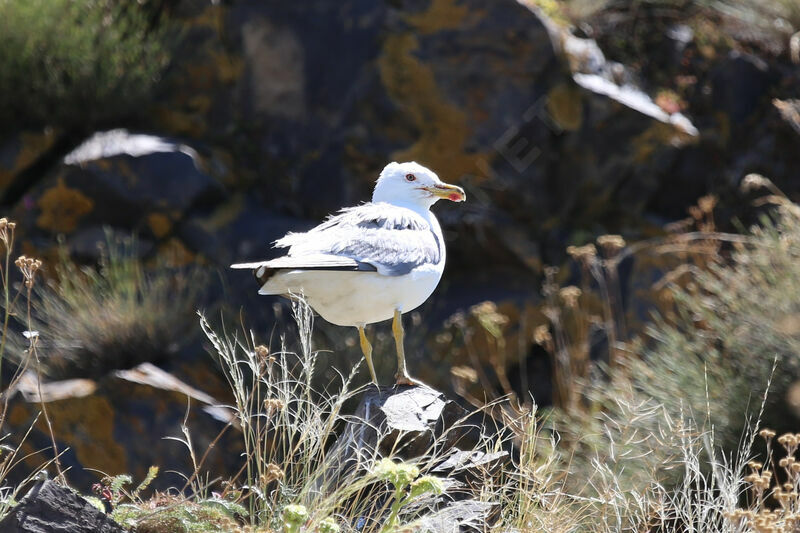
{"points": [[371, 262]]}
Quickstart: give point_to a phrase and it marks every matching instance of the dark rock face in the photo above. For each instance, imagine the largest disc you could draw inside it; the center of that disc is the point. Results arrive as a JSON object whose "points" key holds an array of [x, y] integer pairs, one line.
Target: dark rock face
{"points": [[135, 182], [119, 425], [50, 508]]}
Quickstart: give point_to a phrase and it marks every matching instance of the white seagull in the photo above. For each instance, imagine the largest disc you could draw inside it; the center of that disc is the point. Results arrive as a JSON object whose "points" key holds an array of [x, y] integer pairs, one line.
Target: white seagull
{"points": [[371, 262]]}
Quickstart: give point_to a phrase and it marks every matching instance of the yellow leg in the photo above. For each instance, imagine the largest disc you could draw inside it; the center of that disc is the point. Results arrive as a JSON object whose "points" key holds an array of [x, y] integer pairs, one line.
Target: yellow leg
{"points": [[366, 349], [402, 377]]}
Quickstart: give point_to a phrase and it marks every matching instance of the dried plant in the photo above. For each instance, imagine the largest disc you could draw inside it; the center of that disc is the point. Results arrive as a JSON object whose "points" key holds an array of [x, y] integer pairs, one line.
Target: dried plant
{"points": [[16, 305], [292, 477], [94, 320]]}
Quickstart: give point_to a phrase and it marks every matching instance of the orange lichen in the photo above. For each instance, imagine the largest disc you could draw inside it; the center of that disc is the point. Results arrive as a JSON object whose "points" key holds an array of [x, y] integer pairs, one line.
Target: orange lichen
{"points": [[32, 145], [225, 214], [62, 207], [443, 127], [441, 15], [212, 17], [179, 121], [159, 223], [177, 254], [84, 424], [565, 106], [229, 67], [657, 136]]}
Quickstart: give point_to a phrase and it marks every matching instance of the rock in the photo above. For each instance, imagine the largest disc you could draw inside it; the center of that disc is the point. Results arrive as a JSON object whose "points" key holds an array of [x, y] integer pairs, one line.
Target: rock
{"points": [[741, 84], [120, 424], [21, 152], [132, 182], [401, 421], [459, 516], [291, 109], [51, 508], [593, 72], [462, 461], [470, 469], [145, 171]]}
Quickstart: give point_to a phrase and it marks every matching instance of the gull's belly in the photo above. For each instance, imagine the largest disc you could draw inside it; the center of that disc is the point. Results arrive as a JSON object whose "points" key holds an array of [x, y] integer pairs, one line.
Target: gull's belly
{"points": [[356, 298]]}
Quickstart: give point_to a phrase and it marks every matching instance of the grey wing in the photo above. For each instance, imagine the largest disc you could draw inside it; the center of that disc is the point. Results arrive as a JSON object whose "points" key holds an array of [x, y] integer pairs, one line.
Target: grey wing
{"points": [[392, 240]]}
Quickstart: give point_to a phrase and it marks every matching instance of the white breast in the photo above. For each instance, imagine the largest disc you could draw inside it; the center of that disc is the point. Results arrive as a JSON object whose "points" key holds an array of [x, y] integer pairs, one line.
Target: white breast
{"points": [[358, 298]]}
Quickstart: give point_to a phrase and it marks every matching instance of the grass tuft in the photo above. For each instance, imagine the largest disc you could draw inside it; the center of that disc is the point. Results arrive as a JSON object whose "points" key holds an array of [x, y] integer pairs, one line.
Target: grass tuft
{"points": [[94, 320]]}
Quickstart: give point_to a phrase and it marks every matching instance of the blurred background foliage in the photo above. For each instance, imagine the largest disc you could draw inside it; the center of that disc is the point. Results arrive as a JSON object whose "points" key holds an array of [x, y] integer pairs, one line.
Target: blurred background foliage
{"points": [[77, 64], [629, 246]]}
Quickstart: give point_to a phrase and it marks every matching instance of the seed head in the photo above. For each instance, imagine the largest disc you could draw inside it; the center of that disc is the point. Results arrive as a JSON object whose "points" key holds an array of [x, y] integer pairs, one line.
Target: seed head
{"points": [[6, 231], [752, 182], [570, 296], [28, 266], [295, 515], [541, 335], [585, 254], [272, 473], [273, 405], [707, 203], [766, 433], [611, 244], [788, 441], [752, 478], [398, 474]]}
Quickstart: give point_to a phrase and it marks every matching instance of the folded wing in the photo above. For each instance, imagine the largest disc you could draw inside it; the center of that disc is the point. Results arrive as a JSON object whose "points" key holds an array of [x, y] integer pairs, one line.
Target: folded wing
{"points": [[371, 237]]}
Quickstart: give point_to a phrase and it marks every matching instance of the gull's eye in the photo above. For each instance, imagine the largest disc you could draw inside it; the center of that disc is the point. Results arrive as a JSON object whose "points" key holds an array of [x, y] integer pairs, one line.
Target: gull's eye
{"points": [[411, 177]]}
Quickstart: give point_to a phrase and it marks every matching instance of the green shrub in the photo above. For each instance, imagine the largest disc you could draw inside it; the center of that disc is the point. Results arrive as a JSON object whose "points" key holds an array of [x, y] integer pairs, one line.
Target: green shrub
{"points": [[715, 354], [720, 357], [75, 63]]}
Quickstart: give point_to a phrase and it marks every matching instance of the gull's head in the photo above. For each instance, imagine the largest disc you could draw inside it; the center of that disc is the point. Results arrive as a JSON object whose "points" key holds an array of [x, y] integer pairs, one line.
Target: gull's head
{"points": [[412, 184]]}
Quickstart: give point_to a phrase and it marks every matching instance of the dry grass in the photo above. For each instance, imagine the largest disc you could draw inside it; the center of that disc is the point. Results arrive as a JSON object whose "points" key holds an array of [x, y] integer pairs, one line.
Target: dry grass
{"points": [[94, 320], [288, 428], [16, 305]]}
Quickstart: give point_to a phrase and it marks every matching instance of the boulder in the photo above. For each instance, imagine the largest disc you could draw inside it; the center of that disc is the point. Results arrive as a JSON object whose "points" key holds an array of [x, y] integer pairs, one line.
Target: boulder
{"points": [[51, 508], [134, 182], [21, 152], [408, 423], [401, 421]]}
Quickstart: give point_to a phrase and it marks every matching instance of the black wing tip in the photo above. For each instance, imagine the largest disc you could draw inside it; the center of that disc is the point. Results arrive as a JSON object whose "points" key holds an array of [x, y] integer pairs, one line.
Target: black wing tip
{"points": [[263, 274]]}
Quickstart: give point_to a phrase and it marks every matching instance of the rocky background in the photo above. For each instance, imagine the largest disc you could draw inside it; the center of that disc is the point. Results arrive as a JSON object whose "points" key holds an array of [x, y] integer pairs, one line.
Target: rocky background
{"points": [[271, 115]]}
